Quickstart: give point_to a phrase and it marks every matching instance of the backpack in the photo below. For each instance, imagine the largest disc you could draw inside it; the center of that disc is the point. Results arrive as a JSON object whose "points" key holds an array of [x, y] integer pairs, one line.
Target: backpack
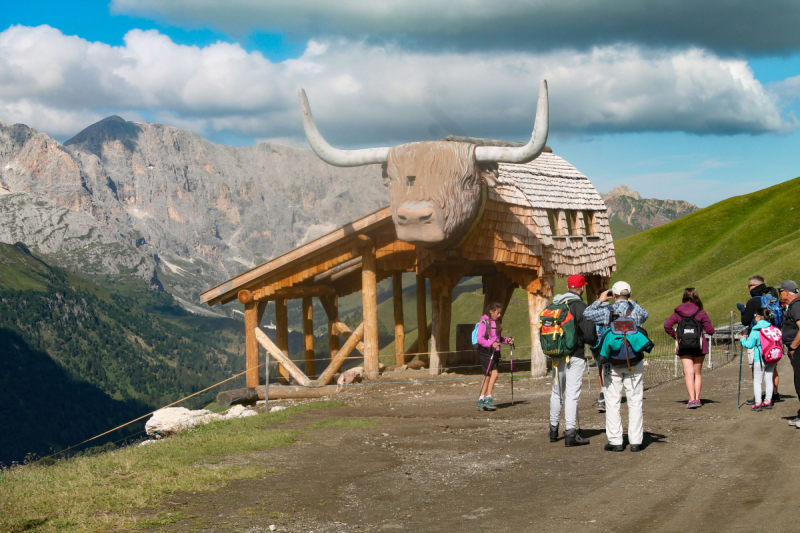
{"points": [[475, 333], [625, 326], [557, 333], [771, 302], [690, 334], [771, 348]]}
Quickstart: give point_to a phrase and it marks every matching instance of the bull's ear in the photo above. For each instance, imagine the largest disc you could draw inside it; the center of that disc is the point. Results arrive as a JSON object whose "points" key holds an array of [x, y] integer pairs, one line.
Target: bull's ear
{"points": [[385, 175], [489, 174]]}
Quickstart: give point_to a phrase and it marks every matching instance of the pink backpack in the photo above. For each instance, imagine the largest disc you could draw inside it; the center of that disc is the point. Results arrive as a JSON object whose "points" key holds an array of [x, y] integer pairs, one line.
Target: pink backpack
{"points": [[771, 349]]}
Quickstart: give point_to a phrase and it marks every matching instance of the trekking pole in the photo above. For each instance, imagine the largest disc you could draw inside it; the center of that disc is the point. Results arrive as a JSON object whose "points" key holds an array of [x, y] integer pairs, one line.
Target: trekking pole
{"points": [[739, 396], [512, 372]]}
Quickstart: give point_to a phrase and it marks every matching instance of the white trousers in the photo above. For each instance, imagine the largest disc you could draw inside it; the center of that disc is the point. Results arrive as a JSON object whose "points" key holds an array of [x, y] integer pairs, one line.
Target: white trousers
{"points": [[634, 392], [567, 388]]}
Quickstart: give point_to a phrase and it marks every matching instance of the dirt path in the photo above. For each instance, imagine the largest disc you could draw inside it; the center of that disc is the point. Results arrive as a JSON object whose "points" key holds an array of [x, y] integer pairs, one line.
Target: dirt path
{"points": [[432, 463]]}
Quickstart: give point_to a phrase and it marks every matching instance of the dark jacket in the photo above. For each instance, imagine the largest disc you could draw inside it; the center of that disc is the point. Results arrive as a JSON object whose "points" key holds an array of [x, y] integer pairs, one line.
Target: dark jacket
{"points": [[587, 334], [791, 314], [684, 310], [754, 304]]}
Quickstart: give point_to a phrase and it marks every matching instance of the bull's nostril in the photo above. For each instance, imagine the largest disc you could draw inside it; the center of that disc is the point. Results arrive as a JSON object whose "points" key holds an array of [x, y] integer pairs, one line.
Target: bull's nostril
{"points": [[425, 219], [401, 219]]}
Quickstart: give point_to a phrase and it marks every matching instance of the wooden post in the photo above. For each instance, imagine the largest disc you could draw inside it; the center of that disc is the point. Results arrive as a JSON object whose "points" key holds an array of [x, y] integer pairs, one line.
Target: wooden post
{"points": [[441, 306], [273, 350], [369, 295], [282, 335], [308, 335], [253, 313], [399, 326], [536, 303], [333, 333], [422, 318]]}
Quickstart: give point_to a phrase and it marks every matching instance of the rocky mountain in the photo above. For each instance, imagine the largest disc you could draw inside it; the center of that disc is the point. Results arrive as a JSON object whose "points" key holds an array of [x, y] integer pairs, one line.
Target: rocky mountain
{"points": [[159, 203], [629, 213]]}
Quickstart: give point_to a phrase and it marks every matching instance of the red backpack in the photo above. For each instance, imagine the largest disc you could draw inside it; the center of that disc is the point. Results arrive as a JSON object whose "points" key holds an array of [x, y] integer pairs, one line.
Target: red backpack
{"points": [[771, 348]]}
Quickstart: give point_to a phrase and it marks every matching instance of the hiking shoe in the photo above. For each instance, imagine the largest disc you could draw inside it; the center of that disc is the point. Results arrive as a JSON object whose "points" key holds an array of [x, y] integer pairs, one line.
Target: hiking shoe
{"points": [[488, 404], [614, 447], [757, 407], [776, 397], [481, 406], [574, 439], [751, 401], [601, 405], [767, 405], [794, 421], [636, 447], [553, 433]]}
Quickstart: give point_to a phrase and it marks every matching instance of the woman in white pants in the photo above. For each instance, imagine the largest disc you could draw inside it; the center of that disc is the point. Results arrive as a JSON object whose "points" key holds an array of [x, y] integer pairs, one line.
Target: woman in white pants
{"points": [[631, 379]]}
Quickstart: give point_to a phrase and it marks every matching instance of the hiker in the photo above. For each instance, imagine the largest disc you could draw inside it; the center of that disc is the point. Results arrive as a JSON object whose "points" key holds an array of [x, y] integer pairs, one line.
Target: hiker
{"points": [[622, 374], [692, 347], [489, 339], [568, 369], [601, 401], [763, 337], [757, 288], [791, 324]]}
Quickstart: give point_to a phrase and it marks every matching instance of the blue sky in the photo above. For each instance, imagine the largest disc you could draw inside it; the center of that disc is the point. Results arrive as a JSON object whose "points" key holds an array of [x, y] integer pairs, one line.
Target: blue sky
{"points": [[695, 111]]}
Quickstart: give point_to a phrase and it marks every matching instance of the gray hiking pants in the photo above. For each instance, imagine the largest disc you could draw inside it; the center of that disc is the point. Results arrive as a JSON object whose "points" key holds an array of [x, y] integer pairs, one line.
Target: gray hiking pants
{"points": [[566, 388]]}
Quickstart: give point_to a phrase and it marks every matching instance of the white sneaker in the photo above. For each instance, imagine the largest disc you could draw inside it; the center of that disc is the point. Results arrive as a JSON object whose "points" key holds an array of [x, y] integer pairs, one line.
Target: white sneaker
{"points": [[795, 422]]}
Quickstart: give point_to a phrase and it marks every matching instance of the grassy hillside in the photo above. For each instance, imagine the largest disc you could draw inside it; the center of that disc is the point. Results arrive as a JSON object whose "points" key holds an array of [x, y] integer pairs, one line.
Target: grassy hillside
{"points": [[71, 346], [715, 249]]}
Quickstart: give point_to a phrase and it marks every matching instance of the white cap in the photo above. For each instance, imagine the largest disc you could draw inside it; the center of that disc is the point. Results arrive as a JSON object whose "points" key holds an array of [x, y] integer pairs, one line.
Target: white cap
{"points": [[621, 288]]}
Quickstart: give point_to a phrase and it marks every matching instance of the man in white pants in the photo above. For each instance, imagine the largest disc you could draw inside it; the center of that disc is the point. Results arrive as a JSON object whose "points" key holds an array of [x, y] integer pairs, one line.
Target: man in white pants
{"points": [[619, 376]]}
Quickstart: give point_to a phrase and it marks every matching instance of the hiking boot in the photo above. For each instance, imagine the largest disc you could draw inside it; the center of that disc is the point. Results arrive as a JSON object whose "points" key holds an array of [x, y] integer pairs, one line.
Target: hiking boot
{"points": [[794, 422], [488, 404], [751, 401], [614, 447], [757, 407], [574, 439], [776, 397], [481, 406], [636, 447], [553, 433], [767, 405], [601, 404]]}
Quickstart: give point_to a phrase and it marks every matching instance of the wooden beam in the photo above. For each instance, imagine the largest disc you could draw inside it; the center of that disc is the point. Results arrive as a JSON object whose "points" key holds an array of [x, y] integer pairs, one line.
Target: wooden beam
{"points": [[253, 313], [303, 291], [369, 300], [341, 357], [282, 335], [273, 350], [399, 326], [346, 272], [331, 306], [422, 319], [345, 331], [245, 296], [344, 266], [225, 292], [308, 336], [536, 304]]}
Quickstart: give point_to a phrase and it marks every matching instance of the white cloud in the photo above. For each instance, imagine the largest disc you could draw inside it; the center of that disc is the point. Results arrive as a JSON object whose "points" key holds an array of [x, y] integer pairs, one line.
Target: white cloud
{"points": [[365, 94], [721, 25]]}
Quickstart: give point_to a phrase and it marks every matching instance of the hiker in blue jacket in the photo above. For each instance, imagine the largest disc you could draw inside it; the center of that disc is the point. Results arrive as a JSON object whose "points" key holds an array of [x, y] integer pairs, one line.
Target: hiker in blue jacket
{"points": [[489, 339], [617, 376]]}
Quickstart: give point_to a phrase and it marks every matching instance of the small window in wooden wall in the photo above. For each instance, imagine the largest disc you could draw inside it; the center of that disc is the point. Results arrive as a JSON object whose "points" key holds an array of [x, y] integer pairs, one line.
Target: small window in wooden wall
{"points": [[590, 222]]}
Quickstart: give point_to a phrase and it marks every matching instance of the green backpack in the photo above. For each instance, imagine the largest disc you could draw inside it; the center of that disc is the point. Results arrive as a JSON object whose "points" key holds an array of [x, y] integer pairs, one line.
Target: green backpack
{"points": [[557, 332]]}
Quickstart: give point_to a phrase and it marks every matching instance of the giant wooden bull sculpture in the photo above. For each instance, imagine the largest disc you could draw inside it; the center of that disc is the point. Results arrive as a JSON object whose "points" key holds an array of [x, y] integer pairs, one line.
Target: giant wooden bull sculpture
{"points": [[435, 187]]}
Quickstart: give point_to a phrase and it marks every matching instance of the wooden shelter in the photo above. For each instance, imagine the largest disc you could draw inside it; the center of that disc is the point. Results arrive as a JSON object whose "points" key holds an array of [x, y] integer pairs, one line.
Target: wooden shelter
{"points": [[541, 220]]}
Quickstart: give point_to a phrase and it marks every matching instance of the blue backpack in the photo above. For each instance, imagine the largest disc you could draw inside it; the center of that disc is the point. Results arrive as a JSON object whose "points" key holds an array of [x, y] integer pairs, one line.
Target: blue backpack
{"points": [[475, 333]]}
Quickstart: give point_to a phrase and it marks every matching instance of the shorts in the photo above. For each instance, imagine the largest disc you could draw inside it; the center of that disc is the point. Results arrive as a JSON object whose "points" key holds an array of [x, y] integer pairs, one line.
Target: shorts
{"points": [[485, 355]]}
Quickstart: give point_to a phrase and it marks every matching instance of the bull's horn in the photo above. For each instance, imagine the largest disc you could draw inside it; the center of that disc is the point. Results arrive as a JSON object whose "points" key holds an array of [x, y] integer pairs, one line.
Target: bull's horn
{"points": [[529, 152], [331, 155]]}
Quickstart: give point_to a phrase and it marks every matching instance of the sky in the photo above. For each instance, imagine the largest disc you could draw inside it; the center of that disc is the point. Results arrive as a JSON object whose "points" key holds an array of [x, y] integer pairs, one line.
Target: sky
{"points": [[677, 99]]}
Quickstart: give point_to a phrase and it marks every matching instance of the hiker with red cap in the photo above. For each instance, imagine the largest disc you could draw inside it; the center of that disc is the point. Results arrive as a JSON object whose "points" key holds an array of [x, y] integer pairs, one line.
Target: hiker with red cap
{"points": [[568, 371]]}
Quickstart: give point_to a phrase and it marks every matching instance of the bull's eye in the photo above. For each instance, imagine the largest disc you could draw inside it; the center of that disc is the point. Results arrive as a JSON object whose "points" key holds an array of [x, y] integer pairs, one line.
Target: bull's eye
{"points": [[410, 181]]}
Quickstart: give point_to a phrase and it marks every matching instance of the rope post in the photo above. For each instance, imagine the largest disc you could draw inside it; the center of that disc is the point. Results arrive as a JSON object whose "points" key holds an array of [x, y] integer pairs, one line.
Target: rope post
{"points": [[731, 326]]}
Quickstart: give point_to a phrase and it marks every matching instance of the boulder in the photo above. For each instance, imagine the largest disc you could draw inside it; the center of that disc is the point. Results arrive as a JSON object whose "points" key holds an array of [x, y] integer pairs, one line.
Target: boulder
{"points": [[417, 365], [173, 420]]}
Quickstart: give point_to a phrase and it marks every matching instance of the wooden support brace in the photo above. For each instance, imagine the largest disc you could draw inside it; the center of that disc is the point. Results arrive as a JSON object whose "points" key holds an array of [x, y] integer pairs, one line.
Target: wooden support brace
{"points": [[346, 332], [399, 326], [282, 335], [308, 336], [331, 306], [279, 356], [341, 357]]}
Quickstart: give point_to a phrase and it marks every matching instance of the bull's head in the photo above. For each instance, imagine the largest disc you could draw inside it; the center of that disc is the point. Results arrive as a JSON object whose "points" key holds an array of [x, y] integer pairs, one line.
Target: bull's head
{"points": [[434, 187]]}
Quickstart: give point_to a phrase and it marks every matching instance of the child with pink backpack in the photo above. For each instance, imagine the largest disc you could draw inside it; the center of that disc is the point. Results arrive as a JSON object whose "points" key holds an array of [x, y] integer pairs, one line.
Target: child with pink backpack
{"points": [[765, 339]]}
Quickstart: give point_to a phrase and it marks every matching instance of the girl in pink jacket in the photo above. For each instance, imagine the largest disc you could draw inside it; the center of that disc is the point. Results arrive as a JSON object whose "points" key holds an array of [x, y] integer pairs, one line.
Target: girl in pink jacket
{"points": [[489, 340]]}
